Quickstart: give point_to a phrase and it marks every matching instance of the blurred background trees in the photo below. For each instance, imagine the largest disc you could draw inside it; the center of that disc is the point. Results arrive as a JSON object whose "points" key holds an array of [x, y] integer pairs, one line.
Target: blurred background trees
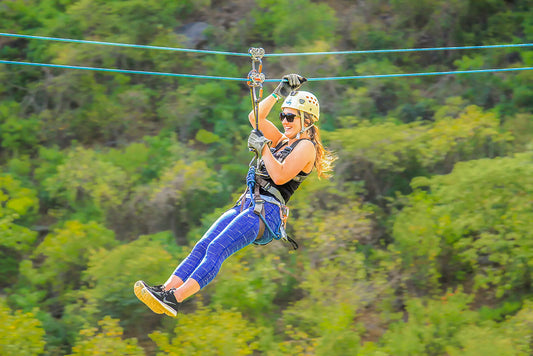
{"points": [[420, 244]]}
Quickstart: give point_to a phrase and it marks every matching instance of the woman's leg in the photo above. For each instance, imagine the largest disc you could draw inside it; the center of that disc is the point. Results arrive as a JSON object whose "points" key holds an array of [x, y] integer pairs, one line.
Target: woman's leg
{"points": [[191, 262], [239, 233]]}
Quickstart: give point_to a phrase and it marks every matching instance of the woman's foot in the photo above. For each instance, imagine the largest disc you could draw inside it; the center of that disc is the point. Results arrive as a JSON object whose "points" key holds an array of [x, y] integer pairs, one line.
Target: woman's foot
{"points": [[163, 300], [138, 290]]}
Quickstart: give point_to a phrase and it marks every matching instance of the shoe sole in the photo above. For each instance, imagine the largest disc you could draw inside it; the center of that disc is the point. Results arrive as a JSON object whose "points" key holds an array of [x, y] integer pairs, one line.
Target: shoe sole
{"points": [[155, 304], [138, 290]]}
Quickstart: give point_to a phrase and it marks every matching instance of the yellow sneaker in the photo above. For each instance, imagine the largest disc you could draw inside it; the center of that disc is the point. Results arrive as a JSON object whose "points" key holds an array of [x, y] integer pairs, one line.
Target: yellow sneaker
{"points": [[138, 290], [164, 300]]}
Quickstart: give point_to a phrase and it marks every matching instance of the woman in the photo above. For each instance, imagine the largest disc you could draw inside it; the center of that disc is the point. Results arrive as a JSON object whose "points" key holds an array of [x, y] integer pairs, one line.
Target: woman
{"points": [[286, 159]]}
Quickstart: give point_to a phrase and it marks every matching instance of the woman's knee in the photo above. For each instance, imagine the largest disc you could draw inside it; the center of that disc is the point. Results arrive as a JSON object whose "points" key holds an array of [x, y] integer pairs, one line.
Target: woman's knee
{"points": [[201, 246]]}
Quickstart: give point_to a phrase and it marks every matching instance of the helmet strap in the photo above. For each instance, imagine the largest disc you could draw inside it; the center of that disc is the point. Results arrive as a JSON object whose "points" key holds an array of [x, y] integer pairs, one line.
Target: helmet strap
{"points": [[303, 129]]}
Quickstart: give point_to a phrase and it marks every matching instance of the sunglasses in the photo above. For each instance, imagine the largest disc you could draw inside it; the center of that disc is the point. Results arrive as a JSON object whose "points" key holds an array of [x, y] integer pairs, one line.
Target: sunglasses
{"points": [[290, 117]]}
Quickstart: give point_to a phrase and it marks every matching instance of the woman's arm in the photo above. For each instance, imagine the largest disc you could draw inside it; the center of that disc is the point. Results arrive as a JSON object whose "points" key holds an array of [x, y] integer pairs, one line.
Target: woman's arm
{"points": [[302, 158], [266, 127]]}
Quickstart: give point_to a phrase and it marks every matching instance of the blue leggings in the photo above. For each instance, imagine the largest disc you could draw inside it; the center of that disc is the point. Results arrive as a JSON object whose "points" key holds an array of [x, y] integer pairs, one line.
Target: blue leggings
{"points": [[233, 231]]}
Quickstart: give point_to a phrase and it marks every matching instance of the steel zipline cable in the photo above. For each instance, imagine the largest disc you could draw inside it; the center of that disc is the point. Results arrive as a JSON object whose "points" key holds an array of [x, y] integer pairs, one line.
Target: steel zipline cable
{"points": [[398, 75], [128, 71], [112, 70], [399, 50], [70, 40], [268, 80]]}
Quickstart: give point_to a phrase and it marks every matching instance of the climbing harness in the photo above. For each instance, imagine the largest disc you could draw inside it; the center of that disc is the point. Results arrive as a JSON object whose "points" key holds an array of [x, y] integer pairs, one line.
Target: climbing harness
{"points": [[253, 182], [257, 202]]}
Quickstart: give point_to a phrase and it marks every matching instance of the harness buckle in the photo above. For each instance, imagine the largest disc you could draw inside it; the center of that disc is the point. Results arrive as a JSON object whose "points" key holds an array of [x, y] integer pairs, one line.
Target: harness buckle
{"points": [[259, 206]]}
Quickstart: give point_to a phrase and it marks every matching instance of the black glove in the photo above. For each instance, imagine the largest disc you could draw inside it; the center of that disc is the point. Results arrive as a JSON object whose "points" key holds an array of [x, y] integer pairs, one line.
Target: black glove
{"points": [[289, 82], [257, 141]]}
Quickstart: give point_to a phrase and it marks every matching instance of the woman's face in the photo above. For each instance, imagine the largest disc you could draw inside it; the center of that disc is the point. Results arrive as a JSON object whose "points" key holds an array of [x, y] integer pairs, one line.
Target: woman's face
{"points": [[291, 128]]}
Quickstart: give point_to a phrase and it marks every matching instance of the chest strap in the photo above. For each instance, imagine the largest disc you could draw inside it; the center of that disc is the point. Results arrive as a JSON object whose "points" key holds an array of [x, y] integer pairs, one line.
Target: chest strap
{"points": [[270, 188]]}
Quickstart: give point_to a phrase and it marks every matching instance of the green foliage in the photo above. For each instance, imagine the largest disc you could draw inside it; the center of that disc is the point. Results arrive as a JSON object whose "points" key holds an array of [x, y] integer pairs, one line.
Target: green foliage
{"points": [[20, 333], [133, 159], [111, 274], [520, 127], [176, 201], [52, 277], [65, 254], [519, 327], [446, 326], [275, 21], [333, 275], [107, 340], [16, 202], [522, 92], [432, 325], [251, 287], [382, 151], [418, 205], [191, 108], [477, 217], [79, 181], [483, 341], [17, 134], [210, 332], [387, 93], [162, 150], [137, 21]]}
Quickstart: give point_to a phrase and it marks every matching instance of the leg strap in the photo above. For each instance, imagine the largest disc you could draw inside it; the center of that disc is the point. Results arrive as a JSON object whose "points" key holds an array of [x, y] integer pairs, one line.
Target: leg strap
{"points": [[259, 206]]}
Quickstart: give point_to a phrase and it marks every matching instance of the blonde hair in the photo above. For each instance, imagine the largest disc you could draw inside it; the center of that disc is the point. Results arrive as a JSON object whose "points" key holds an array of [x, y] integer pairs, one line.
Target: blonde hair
{"points": [[324, 158]]}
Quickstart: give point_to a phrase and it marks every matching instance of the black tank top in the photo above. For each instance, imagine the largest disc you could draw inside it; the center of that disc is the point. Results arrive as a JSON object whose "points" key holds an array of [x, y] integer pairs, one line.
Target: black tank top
{"points": [[280, 152]]}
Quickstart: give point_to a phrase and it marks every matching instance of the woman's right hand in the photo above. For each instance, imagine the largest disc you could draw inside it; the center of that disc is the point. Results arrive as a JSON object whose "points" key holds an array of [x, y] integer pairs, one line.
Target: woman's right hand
{"points": [[289, 82]]}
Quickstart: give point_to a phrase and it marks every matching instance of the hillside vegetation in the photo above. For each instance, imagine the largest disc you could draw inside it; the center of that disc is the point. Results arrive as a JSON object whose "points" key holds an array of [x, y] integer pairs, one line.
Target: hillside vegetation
{"points": [[420, 244]]}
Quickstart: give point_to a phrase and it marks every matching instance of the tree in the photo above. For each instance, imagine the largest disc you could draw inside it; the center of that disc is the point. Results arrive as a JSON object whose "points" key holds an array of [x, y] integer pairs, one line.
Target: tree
{"points": [[105, 340], [111, 273], [20, 333], [63, 255], [16, 202], [472, 224], [388, 155], [210, 332]]}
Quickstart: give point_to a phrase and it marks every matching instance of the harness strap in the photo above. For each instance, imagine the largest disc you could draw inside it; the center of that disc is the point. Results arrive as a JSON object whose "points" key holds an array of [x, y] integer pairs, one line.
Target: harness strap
{"points": [[293, 243], [258, 203], [269, 188], [259, 206]]}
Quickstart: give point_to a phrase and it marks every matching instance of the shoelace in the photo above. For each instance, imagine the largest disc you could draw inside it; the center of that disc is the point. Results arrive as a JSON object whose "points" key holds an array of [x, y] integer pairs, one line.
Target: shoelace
{"points": [[168, 295]]}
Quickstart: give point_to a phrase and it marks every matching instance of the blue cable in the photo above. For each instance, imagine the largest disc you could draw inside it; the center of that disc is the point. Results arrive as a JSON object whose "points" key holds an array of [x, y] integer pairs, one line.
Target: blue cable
{"points": [[399, 50], [122, 70], [123, 44], [420, 74], [268, 80]]}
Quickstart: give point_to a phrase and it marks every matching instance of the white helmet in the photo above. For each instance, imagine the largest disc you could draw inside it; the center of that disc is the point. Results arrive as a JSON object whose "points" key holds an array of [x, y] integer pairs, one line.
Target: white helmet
{"points": [[303, 101]]}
